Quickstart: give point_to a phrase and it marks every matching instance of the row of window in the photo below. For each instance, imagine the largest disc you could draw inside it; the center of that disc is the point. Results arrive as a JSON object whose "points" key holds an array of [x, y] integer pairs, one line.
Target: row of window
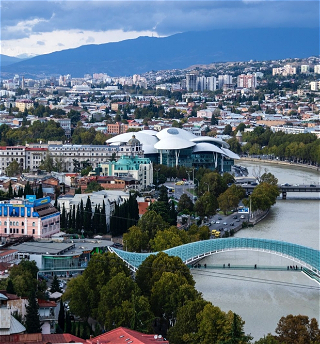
{"points": [[15, 223], [16, 230]]}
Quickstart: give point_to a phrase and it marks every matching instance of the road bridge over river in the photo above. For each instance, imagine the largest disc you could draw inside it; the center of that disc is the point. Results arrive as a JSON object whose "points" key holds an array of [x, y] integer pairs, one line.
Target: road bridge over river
{"points": [[190, 253], [284, 189]]}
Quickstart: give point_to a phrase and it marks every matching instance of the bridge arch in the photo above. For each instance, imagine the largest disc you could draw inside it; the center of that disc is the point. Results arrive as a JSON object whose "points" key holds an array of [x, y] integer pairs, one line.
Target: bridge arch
{"points": [[189, 253]]}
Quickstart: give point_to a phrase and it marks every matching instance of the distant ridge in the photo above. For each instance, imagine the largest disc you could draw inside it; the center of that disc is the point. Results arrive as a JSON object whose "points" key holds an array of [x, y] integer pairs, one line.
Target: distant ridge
{"points": [[7, 60], [179, 51]]}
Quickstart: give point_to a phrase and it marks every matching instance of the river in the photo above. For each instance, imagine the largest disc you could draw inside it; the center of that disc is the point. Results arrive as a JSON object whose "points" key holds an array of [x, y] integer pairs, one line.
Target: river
{"points": [[262, 297]]}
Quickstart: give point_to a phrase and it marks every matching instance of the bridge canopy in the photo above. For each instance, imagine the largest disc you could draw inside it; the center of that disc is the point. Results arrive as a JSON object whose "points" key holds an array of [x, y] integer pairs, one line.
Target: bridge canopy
{"points": [[192, 252]]}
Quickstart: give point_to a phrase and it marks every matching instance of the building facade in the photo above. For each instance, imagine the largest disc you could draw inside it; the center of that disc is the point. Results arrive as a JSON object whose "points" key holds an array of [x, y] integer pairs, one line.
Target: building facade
{"points": [[30, 216], [23, 104], [247, 81], [140, 169]]}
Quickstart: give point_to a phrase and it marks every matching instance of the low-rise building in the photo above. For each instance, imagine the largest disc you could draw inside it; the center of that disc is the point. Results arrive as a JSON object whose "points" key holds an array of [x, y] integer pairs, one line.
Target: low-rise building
{"points": [[29, 217], [139, 168]]}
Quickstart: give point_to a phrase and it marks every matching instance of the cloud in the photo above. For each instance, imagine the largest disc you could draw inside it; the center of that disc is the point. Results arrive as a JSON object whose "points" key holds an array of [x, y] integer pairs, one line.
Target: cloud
{"points": [[59, 40], [40, 43], [90, 39], [87, 21]]}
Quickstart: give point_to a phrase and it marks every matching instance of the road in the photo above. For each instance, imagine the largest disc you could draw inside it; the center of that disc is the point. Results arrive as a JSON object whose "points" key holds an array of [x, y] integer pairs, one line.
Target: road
{"points": [[222, 223]]}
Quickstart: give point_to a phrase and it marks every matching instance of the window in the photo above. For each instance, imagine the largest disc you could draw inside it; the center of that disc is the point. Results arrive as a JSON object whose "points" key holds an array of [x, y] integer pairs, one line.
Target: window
{"points": [[22, 230], [5, 223], [33, 231], [33, 223], [22, 223], [10, 223], [17, 223]]}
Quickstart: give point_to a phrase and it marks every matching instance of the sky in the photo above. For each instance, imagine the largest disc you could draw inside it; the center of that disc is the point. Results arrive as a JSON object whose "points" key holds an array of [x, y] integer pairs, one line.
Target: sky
{"points": [[30, 28]]}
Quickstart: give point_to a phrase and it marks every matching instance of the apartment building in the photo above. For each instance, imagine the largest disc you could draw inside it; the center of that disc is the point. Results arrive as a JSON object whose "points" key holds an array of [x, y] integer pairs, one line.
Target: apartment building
{"points": [[284, 71], [23, 104], [28, 158], [30, 216], [305, 68], [317, 69], [247, 81], [117, 128]]}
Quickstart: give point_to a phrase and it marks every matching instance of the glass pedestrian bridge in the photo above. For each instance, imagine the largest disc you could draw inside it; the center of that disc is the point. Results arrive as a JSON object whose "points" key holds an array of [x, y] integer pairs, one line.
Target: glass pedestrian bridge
{"points": [[193, 252]]}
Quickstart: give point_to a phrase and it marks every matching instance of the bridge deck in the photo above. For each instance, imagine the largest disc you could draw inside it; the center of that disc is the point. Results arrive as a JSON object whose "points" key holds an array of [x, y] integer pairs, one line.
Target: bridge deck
{"points": [[189, 253]]}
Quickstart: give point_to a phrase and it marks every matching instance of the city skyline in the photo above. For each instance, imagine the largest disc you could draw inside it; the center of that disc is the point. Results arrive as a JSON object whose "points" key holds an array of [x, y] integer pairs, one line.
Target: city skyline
{"points": [[31, 28]]}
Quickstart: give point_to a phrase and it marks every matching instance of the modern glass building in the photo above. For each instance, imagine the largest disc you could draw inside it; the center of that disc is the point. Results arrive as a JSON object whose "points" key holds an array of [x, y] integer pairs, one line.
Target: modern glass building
{"points": [[178, 147]]}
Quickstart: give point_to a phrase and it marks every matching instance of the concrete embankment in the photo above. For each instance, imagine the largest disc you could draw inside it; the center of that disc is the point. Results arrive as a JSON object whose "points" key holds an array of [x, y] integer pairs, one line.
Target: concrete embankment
{"points": [[279, 162]]}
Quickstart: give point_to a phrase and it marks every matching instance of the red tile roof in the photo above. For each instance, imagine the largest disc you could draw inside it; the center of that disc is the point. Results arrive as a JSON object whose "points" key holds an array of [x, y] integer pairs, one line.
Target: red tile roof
{"points": [[122, 335]]}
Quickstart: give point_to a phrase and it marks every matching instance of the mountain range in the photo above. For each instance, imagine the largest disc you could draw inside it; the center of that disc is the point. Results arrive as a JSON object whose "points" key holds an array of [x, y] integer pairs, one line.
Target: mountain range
{"points": [[179, 51]]}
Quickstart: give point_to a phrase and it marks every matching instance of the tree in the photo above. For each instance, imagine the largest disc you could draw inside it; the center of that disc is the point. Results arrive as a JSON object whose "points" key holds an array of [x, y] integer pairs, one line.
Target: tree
{"points": [[206, 205], [135, 240], [185, 203], [169, 293], [10, 287], [32, 322], [93, 186], [268, 178], [298, 329], [61, 317], [167, 238], [231, 198], [24, 277], [151, 223], [55, 285], [186, 327], [263, 197], [48, 163], [13, 169], [227, 130]]}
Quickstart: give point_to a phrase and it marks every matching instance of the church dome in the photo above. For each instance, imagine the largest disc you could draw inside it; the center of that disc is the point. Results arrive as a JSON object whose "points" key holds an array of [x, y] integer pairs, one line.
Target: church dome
{"points": [[133, 141]]}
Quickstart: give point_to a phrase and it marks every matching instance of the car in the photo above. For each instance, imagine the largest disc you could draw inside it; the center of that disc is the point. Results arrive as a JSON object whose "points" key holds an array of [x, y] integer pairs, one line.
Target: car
{"points": [[217, 222], [254, 184], [285, 184], [219, 218], [242, 217], [213, 222], [225, 223], [238, 220], [313, 185], [231, 224], [179, 183], [235, 217]]}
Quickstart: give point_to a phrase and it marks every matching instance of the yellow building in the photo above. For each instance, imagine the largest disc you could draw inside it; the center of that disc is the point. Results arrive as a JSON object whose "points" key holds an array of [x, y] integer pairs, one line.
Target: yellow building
{"points": [[23, 104]]}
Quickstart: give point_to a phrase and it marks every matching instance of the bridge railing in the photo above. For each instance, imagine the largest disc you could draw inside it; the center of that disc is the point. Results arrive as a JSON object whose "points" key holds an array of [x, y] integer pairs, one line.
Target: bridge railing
{"points": [[194, 251]]}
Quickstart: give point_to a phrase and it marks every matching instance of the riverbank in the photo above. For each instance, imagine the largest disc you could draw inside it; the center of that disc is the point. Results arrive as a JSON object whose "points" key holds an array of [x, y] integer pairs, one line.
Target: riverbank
{"points": [[279, 162]]}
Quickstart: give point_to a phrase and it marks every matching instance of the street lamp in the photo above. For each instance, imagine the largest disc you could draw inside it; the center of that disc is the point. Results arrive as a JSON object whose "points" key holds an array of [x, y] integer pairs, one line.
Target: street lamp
{"points": [[207, 185]]}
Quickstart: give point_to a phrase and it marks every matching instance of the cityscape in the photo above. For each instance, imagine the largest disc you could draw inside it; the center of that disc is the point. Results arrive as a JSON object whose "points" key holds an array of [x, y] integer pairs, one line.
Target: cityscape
{"points": [[170, 205]]}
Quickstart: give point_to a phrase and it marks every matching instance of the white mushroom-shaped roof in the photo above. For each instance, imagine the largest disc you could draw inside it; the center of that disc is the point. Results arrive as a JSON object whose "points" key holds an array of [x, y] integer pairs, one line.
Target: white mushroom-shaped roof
{"points": [[174, 143], [230, 154], [149, 132], [148, 141], [207, 147], [210, 139], [169, 133]]}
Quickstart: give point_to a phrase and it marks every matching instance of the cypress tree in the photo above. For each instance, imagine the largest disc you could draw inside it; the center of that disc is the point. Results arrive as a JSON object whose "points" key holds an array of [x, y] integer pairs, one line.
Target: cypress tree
{"points": [[32, 322], [10, 287], [87, 215], [40, 192], [68, 323], [10, 191], [63, 217], [77, 219], [103, 220], [81, 213], [20, 192], [78, 330], [55, 285], [61, 316], [96, 218], [73, 219]]}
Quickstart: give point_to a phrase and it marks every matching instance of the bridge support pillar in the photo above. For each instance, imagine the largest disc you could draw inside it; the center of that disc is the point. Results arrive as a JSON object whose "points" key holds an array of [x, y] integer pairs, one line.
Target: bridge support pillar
{"points": [[284, 195]]}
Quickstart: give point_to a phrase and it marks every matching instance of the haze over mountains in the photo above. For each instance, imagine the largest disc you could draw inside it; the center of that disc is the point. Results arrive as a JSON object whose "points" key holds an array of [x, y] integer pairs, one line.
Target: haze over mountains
{"points": [[137, 56]]}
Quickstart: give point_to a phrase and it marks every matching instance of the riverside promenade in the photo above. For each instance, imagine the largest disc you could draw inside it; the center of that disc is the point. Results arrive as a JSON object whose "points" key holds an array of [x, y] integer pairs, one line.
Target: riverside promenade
{"points": [[279, 162]]}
